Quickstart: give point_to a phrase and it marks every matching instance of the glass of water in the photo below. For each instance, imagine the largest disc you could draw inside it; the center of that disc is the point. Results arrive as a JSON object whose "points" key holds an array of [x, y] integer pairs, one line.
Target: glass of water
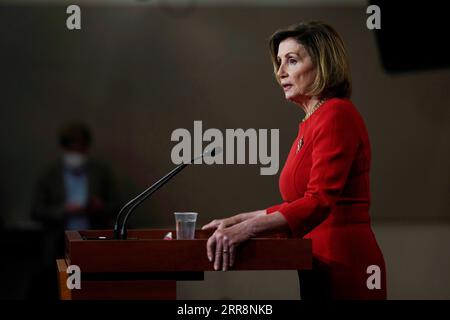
{"points": [[185, 222]]}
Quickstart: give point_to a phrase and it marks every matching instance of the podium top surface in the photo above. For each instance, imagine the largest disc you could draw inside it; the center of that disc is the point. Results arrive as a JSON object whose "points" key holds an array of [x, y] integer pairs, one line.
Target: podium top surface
{"points": [[146, 251]]}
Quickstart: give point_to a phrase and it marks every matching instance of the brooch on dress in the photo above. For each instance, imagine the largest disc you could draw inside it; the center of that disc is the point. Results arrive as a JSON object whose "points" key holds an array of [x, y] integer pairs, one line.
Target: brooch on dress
{"points": [[299, 144]]}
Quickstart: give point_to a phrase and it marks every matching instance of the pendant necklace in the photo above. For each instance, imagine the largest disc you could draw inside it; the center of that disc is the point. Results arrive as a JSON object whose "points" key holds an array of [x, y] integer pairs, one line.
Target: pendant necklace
{"points": [[316, 106]]}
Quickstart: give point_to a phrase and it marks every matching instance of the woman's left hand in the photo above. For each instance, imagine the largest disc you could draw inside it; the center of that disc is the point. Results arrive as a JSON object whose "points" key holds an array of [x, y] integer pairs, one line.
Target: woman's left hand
{"points": [[221, 246]]}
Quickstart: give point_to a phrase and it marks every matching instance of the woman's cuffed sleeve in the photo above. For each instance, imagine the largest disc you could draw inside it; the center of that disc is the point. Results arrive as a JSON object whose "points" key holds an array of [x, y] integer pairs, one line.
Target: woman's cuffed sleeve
{"points": [[274, 208]]}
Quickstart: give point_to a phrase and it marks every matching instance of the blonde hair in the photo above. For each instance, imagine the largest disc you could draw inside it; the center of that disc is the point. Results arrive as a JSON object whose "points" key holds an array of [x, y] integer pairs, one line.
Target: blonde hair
{"points": [[327, 52]]}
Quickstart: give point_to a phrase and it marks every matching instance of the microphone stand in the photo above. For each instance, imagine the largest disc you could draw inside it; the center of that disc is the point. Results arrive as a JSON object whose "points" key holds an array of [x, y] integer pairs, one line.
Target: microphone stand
{"points": [[134, 203]]}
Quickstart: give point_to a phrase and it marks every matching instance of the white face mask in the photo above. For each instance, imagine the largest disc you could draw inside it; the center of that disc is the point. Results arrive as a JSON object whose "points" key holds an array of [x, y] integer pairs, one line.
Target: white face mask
{"points": [[74, 160]]}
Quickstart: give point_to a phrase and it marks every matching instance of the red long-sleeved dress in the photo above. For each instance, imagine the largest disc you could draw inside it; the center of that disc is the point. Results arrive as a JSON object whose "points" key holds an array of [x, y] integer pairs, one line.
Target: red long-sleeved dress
{"points": [[325, 188]]}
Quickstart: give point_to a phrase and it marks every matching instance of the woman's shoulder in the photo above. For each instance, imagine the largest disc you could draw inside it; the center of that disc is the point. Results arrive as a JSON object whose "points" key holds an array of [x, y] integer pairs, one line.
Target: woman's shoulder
{"points": [[339, 115], [339, 109], [340, 105]]}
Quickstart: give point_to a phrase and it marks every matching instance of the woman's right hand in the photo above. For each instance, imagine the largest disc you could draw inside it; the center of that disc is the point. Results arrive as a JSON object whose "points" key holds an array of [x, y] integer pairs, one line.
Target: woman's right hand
{"points": [[218, 224]]}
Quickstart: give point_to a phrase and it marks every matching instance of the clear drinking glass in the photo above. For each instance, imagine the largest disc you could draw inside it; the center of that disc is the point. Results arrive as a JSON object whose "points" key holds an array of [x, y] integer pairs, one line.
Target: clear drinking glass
{"points": [[185, 222]]}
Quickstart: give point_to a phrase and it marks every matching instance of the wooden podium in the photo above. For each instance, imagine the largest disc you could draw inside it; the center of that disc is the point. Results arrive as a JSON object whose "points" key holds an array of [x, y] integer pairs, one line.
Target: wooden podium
{"points": [[147, 267]]}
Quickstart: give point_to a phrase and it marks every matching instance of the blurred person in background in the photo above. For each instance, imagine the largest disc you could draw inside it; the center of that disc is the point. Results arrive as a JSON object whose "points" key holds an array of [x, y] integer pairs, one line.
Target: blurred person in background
{"points": [[76, 192]]}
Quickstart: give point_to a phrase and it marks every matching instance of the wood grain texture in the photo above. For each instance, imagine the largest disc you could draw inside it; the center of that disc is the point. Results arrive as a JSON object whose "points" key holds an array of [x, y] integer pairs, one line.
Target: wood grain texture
{"points": [[146, 251], [147, 267], [64, 292]]}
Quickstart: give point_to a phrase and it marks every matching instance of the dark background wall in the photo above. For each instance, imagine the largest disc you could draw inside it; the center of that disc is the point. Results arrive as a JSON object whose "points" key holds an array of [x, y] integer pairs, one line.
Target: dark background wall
{"points": [[135, 74]]}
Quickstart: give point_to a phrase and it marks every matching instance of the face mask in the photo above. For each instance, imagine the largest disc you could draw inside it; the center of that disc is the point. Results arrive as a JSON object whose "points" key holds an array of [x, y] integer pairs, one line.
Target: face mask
{"points": [[74, 160]]}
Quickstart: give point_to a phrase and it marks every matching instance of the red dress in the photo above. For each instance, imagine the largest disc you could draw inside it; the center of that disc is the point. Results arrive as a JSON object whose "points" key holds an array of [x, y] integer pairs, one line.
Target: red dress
{"points": [[325, 188]]}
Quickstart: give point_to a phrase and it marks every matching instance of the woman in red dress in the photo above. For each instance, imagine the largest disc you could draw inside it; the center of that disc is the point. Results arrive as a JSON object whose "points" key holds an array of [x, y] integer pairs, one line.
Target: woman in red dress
{"points": [[325, 181]]}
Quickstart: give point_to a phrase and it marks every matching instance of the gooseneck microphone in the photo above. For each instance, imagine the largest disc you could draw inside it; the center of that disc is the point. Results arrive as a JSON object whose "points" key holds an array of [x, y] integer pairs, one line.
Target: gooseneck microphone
{"points": [[134, 203]]}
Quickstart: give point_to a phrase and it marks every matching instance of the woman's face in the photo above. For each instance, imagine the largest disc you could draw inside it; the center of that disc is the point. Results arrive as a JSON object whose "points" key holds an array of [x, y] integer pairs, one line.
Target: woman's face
{"points": [[297, 71]]}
